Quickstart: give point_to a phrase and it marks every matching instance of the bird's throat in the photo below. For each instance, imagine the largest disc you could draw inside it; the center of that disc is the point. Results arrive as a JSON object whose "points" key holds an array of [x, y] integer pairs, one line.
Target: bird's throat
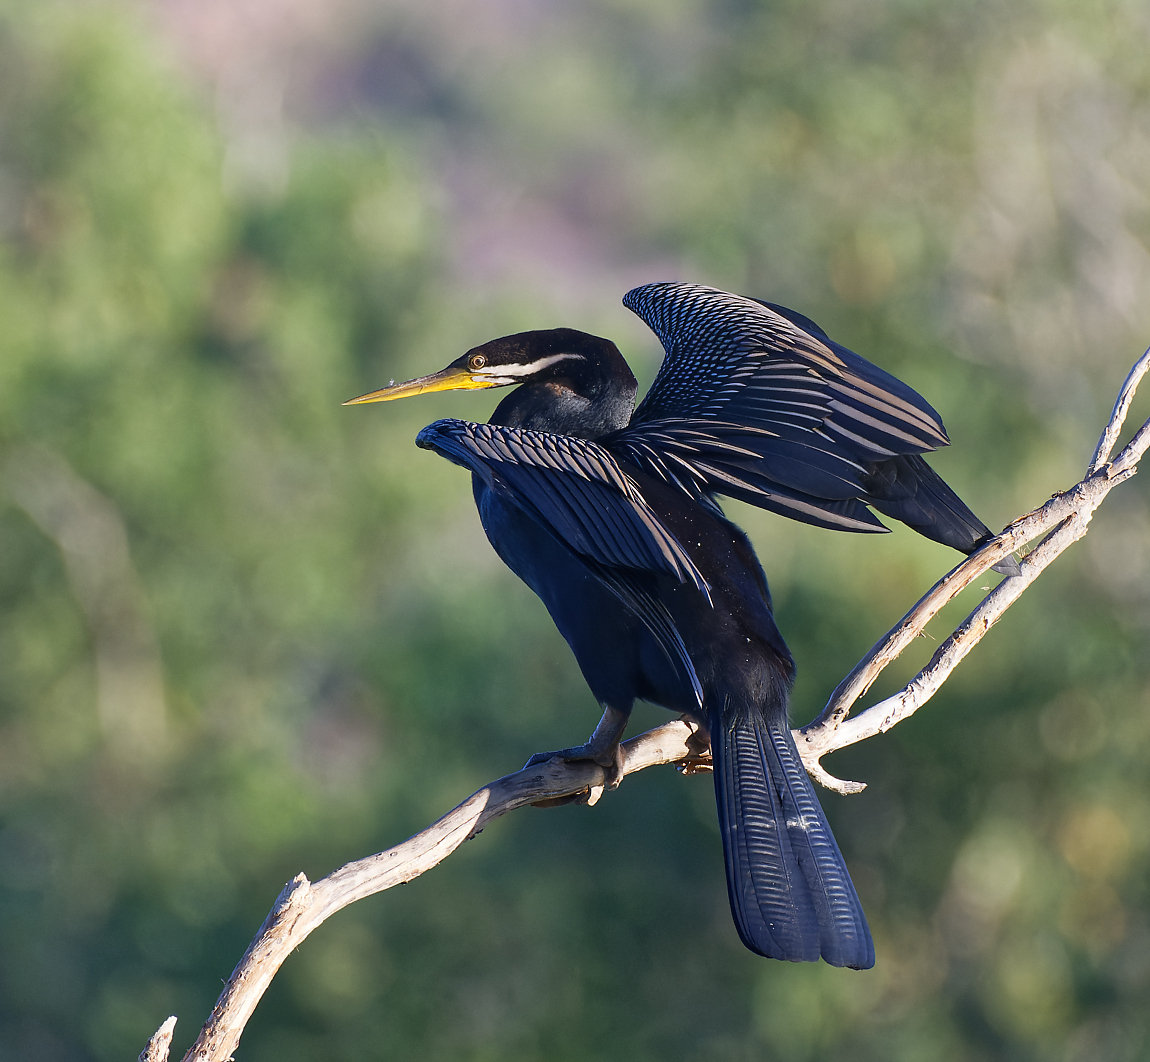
{"points": [[554, 406]]}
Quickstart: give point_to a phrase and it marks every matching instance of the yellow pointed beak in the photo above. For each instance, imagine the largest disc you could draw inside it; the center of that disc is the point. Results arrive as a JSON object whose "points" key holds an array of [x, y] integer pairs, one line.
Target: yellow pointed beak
{"points": [[453, 378]]}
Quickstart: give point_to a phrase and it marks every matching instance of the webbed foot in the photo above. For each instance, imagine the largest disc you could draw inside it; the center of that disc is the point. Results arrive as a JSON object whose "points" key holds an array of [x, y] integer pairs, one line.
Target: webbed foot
{"points": [[610, 759], [602, 748]]}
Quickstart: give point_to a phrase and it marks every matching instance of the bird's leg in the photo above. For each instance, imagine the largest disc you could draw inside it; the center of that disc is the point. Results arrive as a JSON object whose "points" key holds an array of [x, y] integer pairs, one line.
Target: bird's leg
{"points": [[602, 747]]}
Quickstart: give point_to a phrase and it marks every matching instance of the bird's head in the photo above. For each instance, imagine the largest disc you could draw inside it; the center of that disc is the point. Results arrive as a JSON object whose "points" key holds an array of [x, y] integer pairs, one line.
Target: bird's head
{"points": [[554, 354]]}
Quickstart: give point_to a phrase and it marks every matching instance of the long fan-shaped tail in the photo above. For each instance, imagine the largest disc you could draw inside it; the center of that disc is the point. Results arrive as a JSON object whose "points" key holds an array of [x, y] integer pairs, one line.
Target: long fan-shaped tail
{"points": [[790, 892]]}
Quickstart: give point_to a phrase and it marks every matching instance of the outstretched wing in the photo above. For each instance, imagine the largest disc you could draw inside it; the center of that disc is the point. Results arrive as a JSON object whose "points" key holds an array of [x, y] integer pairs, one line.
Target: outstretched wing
{"points": [[573, 487], [795, 479], [756, 402], [576, 491], [741, 361]]}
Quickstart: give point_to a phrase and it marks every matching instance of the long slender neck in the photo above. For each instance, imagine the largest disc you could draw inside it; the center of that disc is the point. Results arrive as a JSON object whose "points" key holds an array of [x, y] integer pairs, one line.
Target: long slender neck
{"points": [[588, 394]]}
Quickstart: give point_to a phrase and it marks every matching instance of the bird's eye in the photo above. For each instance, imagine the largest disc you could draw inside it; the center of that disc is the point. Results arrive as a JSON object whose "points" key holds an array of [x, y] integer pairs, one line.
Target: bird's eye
{"points": [[476, 362]]}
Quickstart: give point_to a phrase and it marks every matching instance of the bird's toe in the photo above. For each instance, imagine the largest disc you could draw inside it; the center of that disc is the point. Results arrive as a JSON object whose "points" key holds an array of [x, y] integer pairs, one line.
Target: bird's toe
{"points": [[610, 759], [614, 766]]}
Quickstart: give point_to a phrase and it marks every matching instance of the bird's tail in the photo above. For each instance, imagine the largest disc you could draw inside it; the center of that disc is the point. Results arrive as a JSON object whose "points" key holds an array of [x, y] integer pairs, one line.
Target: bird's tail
{"points": [[790, 892], [906, 488]]}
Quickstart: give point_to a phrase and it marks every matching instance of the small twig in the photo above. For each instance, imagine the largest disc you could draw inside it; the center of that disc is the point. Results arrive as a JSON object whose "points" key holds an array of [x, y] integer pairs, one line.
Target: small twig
{"points": [[160, 1043], [1118, 416], [301, 907]]}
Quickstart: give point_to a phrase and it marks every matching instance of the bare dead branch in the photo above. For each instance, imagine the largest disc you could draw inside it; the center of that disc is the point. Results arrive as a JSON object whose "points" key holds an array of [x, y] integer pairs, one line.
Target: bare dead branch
{"points": [[302, 906], [160, 1043], [1121, 407], [1069, 516]]}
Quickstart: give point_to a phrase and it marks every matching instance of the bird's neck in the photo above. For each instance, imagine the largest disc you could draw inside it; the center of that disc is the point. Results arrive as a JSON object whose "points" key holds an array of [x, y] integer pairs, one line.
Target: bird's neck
{"points": [[585, 397]]}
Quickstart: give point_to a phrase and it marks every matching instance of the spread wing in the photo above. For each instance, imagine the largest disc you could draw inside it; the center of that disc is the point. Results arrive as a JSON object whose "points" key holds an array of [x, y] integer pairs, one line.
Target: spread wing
{"points": [[573, 487], [756, 402], [792, 478], [735, 359], [576, 491]]}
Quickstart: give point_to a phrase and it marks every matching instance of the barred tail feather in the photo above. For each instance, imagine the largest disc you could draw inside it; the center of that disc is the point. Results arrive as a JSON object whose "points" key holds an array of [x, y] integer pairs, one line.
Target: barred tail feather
{"points": [[791, 895]]}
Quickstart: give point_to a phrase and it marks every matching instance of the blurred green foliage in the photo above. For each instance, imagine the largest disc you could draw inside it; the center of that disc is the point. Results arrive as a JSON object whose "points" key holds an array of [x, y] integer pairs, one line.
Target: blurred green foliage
{"points": [[245, 632]]}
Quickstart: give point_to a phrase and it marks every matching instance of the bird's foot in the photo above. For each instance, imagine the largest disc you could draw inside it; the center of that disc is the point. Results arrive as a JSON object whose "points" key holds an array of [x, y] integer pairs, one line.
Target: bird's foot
{"points": [[603, 748], [611, 759], [613, 772], [698, 744]]}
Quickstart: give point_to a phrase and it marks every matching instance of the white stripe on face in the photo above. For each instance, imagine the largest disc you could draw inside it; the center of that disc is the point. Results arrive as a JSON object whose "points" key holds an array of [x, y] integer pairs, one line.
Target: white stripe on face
{"points": [[512, 372]]}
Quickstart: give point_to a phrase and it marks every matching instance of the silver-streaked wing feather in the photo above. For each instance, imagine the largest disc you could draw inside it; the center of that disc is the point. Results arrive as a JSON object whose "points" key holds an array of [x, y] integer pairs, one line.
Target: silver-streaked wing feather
{"points": [[737, 360], [574, 488], [793, 479]]}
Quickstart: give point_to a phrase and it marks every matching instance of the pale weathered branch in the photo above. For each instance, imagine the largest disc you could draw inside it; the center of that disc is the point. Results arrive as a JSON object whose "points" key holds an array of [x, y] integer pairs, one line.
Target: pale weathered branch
{"points": [[1069, 515], [1121, 407], [160, 1043], [301, 907]]}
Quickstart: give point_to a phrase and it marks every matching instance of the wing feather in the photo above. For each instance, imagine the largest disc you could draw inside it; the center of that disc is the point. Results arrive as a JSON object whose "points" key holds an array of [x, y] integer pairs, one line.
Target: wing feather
{"points": [[574, 488], [756, 402], [740, 360]]}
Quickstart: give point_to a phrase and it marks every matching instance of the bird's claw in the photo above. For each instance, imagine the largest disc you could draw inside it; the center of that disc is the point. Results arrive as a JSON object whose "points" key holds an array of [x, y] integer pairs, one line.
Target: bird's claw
{"points": [[610, 759], [698, 744]]}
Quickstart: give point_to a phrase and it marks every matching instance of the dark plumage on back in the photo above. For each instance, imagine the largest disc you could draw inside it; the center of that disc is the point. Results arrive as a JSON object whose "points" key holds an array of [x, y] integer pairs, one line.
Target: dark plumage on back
{"points": [[611, 517]]}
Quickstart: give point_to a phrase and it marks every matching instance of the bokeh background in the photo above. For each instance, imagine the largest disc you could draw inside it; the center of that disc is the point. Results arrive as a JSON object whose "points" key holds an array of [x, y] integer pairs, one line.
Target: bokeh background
{"points": [[246, 632]]}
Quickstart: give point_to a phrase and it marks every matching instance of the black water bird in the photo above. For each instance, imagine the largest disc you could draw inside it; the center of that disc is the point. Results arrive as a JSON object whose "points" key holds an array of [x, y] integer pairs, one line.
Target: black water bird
{"points": [[608, 513]]}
